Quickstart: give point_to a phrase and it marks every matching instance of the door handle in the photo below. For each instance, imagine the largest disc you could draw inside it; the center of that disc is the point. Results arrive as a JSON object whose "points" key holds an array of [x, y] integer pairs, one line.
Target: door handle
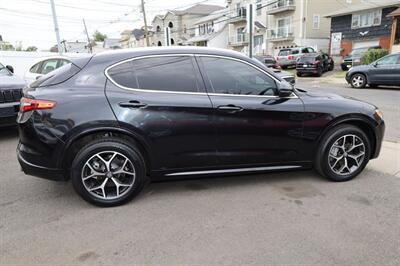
{"points": [[132, 104], [230, 108]]}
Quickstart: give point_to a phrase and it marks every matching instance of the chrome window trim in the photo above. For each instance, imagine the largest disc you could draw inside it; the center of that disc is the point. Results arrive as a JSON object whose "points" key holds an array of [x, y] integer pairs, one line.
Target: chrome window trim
{"points": [[294, 96], [236, 170]]}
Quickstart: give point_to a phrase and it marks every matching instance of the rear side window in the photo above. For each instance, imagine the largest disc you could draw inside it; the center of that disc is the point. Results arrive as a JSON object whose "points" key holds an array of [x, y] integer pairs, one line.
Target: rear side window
{"points": [[35, 68], [164, 73], [294, 52], [283, 52]]}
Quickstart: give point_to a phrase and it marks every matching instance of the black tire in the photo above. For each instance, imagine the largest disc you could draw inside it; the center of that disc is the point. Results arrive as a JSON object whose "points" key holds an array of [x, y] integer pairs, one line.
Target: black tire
{"points": [[113, 145], [284, 67], [358, 81], [322, 158], [299, 74], [331, 67], [344, 68], [319, 74]]}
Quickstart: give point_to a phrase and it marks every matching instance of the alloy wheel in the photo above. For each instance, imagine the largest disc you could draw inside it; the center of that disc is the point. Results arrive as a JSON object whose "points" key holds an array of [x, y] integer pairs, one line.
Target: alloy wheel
{"points": [[346, 155], [357, 81], [108, 175]]}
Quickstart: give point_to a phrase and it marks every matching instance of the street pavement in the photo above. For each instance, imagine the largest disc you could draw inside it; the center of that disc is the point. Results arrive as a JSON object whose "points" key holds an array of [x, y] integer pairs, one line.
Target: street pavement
{"points": [[276, 218]]}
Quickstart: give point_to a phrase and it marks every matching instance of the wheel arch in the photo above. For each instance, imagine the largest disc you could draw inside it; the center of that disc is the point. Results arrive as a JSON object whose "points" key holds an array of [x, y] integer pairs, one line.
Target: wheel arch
{"points": [[76, 142], [362, 73], [361, 121]]}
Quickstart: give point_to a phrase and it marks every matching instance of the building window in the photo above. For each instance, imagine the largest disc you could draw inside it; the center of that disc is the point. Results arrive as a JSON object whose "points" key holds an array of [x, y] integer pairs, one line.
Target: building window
{"points": [[366, 19], [258, 7], [158, 29], [316, 20], [170, 25]]}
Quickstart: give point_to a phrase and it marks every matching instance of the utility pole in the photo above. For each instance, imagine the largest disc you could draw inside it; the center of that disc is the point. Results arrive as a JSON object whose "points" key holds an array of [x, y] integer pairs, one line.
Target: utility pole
{"points": [[56, 29], [167, 35], [250, 27], [146, 33], [88, 39]]}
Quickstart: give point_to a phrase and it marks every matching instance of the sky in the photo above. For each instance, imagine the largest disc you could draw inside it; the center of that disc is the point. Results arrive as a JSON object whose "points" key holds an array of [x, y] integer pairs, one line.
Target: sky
{"points": [[30, 21]]}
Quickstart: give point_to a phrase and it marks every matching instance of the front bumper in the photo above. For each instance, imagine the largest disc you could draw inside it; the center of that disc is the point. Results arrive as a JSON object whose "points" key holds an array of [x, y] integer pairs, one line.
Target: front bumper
{"points": [[37, 170], [379, 133]]}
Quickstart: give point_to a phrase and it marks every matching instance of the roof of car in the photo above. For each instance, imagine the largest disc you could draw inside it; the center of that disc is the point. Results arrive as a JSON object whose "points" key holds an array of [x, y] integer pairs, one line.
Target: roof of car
{"points": [[122, 54]]}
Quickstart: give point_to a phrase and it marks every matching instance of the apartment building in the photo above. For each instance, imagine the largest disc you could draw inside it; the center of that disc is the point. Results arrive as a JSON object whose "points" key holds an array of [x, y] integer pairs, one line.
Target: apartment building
{"points": [[238, 34], [282, 24], [181, 23]]}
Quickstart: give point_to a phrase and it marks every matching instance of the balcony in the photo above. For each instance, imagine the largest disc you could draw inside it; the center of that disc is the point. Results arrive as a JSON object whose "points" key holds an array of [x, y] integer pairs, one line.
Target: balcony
{"points": [[239, 40], [281, 6], [280, 34], [238, 16]]}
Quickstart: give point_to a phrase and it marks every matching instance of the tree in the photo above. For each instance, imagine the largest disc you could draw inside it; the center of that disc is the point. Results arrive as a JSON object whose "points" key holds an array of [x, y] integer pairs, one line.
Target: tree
{"points": [[99, 37], [31, 49]]}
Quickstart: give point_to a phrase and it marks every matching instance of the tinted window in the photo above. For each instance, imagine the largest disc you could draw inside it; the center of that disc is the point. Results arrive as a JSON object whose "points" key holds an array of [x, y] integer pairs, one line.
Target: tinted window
{"points": [[57, 76], [284, 52], [294, 52], [233, 77], [167, 73]]}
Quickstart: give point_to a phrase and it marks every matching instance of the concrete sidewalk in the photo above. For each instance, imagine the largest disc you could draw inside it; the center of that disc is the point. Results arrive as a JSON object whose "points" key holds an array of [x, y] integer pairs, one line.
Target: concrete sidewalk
{"points": [[388, 161]]}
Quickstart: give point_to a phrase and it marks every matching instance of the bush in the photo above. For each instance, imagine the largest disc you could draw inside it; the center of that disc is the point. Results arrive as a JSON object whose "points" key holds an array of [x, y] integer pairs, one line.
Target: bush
{"points": [[373, 55]]}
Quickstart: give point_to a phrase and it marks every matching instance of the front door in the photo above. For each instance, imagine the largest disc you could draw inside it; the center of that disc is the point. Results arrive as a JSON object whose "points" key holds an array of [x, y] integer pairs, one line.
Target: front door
{"points": [[254, 126], [163, 99]]}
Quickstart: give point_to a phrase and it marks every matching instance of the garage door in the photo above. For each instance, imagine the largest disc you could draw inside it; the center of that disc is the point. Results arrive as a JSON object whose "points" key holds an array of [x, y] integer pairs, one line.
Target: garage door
{"points": [[365, 44]]}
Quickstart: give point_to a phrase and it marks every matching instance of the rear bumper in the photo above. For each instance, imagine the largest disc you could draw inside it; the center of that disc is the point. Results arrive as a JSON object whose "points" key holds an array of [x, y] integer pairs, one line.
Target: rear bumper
{"points": [[39, 171], [8, 114], [307, 70]]}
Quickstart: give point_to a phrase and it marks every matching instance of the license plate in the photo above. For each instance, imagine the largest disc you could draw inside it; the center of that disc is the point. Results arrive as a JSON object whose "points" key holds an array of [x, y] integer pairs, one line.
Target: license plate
{"points": [[305, 65]]}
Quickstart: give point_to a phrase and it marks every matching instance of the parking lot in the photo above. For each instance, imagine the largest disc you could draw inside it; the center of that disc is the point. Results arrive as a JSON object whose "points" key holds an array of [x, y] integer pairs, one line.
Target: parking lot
{"points": [[277, 218]]}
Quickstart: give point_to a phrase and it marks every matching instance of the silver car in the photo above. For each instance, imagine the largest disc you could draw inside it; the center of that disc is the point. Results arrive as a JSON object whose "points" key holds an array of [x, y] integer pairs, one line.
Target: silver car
{"points": [[287, 57]]}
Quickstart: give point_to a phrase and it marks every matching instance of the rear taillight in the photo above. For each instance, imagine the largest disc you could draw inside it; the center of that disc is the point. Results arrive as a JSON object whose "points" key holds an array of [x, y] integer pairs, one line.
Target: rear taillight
{"points": [[316, 62], [277, 66], [28, 105], [291, 57]]}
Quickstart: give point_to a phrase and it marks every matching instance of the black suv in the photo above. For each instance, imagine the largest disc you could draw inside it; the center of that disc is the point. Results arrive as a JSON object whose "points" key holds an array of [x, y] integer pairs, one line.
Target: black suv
{"points": [[10, 95], [315, 64], [116, 119]]}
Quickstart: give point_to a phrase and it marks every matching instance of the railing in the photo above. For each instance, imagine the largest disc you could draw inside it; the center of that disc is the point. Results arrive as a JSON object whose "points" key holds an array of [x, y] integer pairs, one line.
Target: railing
{"points": [[240, 14], [284, 32], [281, 4], [239, 39]]}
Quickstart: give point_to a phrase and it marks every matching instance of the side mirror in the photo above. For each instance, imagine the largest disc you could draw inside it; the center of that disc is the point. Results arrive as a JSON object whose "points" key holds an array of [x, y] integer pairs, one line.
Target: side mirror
{"points": [[10, 68], [285, 92], [375, 64]]}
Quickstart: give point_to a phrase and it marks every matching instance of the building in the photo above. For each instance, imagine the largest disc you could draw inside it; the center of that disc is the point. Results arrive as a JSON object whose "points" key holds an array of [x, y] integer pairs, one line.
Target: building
{"points": [[395, 34], [138, 38], [180, 22], [364, 24], [211, 31], [124, 40], [238, 33]]}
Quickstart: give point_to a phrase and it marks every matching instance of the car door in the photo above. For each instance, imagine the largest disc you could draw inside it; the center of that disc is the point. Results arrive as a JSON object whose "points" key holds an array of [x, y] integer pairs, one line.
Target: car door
{"points": [[254, 125], [163, 100], [385, 71]]}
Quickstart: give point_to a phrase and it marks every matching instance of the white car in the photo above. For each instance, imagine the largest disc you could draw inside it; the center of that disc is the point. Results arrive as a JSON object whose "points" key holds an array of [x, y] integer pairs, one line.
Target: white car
{"points": [[44, 66]]}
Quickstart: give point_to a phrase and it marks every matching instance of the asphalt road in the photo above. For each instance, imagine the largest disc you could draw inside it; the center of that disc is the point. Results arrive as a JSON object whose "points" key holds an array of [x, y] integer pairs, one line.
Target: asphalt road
{"points": [[277, 218]]}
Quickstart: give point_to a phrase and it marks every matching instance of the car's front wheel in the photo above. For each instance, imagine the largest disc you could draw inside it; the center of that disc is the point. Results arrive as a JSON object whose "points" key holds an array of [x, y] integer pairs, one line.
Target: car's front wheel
{"points": [[358, 81], [343, 153], [108, 172]]}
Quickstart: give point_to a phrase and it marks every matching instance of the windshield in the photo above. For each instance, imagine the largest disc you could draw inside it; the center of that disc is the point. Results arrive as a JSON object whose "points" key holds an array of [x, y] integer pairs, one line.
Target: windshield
{"points": [[358, 51], [3, 70]]}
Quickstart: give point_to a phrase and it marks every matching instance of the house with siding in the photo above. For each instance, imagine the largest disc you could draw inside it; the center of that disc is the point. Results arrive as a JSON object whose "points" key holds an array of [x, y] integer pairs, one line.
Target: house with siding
{"points": [[362, 25], [181, 23]]}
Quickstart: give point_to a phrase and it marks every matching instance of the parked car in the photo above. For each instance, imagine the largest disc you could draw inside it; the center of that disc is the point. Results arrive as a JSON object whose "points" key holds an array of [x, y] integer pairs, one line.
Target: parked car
{"points": [[354, 58], [384, 71], [117, 119], [270, 62], [316, 64], [10, 95], [44, 66], [287, 57]]}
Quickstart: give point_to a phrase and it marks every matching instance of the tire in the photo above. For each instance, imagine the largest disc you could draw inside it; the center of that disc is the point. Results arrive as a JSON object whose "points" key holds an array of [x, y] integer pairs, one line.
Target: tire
{"points": [[120, 156], [299, 74], [319, 74], [358, 81], [344, 68], [284, 67], [355, 158], [331, 67]]}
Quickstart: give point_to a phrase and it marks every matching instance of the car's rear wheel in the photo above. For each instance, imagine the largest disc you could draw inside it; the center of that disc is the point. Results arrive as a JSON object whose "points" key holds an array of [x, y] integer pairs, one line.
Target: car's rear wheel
{"points": [[299, 74], [319, 73], [108, 172], [358, 81], [343, 154]]}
